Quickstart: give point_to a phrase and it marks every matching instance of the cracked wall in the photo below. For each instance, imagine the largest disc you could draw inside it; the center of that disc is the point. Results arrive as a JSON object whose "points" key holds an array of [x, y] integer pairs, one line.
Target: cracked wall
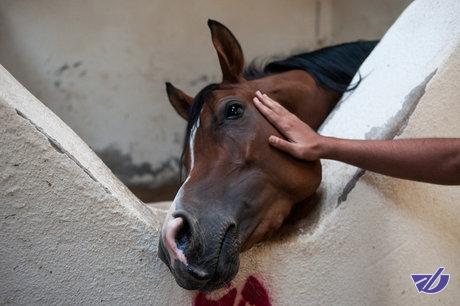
{"points": [[393, 127]]}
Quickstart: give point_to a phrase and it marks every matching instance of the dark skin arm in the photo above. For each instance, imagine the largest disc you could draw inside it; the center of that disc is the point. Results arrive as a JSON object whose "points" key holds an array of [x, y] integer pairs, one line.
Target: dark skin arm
{"points": [[431, 160]]}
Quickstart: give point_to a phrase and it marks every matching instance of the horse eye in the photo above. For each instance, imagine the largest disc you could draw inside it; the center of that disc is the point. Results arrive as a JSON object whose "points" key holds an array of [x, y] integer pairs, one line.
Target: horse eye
{"points": [[233, 111]]}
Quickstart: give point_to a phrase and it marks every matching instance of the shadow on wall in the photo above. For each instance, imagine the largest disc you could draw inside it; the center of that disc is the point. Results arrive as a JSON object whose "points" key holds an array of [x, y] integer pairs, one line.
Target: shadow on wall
{"points": [[128, 172]]}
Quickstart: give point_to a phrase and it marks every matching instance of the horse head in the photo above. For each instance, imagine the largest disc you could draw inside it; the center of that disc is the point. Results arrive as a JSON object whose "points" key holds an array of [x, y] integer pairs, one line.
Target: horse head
{"points": [[238, 189]]}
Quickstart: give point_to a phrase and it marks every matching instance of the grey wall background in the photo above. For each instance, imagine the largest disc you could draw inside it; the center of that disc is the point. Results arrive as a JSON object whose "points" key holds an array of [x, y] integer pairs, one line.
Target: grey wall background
{"points": [[101, 65]]}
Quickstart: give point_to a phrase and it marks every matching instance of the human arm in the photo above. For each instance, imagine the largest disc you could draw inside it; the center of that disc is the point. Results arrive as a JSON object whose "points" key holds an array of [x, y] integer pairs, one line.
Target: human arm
{"points": [[432, 160]]}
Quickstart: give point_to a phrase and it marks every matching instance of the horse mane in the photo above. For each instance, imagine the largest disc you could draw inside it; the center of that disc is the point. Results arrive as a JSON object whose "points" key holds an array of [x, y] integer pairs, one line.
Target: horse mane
{"points": [[332, 67]]}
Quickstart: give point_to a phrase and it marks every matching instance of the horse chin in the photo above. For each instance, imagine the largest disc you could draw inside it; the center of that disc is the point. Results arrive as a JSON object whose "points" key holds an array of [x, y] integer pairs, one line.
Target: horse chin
{"points": [[222, 265], [228, 261], [226, 268]]}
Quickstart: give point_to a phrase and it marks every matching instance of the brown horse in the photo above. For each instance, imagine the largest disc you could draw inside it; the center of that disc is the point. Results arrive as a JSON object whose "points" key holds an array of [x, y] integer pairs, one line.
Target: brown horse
{"points": [[238, 189]]}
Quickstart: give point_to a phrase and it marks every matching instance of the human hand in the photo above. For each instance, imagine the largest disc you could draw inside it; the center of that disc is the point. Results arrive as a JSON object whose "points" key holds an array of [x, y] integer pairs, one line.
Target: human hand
{"points": [[302, 141], [402, 158]]}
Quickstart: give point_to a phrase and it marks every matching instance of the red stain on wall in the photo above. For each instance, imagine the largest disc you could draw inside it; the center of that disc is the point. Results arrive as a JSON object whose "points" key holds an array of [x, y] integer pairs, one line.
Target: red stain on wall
{"points": [[255, 293], [252, 292]]}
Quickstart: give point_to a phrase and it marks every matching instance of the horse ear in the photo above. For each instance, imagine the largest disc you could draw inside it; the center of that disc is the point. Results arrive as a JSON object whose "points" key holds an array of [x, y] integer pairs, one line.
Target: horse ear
{"points": [[179, 100], [229, 51]]}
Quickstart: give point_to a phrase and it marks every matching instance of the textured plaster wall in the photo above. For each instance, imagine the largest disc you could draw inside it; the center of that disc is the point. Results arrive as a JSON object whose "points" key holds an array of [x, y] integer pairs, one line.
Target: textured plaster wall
{"points": [[101, 65], [71, 233]]}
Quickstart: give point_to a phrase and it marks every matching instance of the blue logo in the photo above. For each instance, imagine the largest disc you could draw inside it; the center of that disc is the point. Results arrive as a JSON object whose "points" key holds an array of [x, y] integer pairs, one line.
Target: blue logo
{"points": [[425, 282]]}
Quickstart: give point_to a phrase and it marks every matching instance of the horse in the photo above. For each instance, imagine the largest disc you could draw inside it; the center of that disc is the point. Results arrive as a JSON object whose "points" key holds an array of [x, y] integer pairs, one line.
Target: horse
{"points": [[238, 189]]}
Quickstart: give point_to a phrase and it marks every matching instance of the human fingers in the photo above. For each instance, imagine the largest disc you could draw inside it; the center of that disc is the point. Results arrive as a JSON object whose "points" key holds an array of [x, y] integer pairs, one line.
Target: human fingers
{"points": [[281, 123], [285, 146], [272, 104]]}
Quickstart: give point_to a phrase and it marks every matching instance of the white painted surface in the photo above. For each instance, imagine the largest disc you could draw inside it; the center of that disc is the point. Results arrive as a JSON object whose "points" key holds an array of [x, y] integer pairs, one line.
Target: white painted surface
{"points": [[101, 65], [100, 242], [70, 232], [393, 79]]}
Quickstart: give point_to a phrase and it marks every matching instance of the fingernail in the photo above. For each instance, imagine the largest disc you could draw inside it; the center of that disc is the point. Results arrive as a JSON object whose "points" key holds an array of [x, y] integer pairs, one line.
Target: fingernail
{"points": [[258, 92]]}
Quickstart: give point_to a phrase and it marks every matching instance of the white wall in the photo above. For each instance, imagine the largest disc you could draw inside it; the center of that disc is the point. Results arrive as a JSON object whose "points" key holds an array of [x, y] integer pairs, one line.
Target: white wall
{"points": [[101, 65]]}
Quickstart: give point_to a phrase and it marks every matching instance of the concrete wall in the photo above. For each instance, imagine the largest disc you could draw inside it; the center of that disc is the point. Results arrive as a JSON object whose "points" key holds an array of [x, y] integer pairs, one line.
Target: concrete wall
{"points": [[101, 65], [363, 19], [70, 232]]}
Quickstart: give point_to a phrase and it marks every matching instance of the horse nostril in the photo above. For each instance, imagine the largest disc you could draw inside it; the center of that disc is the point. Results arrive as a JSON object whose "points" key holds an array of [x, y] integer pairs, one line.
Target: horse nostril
{"points": [[183, 235], [171, 232]]}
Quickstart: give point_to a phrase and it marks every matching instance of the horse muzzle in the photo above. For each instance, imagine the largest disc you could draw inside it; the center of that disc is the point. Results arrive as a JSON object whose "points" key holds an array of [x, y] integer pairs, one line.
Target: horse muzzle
{"points": [[202, 255]]}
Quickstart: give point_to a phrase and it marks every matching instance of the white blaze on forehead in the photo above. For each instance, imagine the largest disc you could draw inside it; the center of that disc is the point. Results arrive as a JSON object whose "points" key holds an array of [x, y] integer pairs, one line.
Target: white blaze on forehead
{"points": [[195, 127]]}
